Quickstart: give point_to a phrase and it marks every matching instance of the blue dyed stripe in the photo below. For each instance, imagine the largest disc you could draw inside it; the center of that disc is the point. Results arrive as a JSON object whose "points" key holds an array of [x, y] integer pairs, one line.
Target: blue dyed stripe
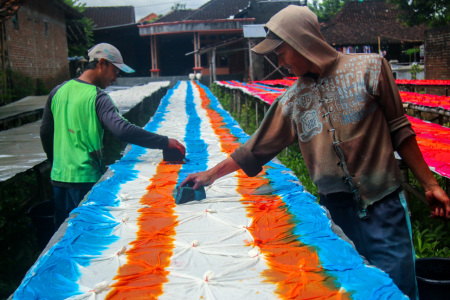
{"points": [[196, 148]]}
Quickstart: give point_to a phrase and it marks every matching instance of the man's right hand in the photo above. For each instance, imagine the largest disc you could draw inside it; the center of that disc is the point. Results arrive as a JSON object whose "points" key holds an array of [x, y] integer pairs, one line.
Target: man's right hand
{"points": [[207, 177], [198, 179]]}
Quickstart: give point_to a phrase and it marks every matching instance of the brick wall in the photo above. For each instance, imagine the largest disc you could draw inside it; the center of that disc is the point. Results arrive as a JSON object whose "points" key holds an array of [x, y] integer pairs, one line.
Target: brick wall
{"points": [[38, 47], [437, 56]]}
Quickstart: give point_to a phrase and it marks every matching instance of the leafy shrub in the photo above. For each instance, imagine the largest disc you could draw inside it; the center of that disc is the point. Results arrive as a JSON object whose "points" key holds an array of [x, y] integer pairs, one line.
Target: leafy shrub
{"points": [[17, 236], [40, 88], [21, 85], [430, 235]]}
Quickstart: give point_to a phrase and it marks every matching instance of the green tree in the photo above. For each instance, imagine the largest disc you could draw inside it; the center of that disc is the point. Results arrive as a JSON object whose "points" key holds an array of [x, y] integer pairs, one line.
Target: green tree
{"points": [[178, 6], [85, 25], [434, 13], [326, 9]]}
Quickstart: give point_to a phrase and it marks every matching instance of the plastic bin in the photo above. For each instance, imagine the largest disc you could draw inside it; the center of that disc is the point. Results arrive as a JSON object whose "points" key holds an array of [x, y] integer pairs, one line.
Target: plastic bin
{"points": [[433, 278]]}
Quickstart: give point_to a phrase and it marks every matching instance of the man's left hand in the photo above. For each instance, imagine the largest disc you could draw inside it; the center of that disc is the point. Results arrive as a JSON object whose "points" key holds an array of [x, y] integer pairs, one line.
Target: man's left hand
{"points": [[439, 202], [174, 144]]}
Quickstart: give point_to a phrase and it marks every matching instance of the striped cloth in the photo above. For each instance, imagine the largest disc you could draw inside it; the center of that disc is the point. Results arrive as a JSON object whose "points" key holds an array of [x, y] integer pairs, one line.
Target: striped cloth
{"points": [[251, 238]]}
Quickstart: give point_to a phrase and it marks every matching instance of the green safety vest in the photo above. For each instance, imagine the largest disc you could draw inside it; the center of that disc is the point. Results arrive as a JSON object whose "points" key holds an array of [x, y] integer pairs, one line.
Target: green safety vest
{"points": [[78, 134]]}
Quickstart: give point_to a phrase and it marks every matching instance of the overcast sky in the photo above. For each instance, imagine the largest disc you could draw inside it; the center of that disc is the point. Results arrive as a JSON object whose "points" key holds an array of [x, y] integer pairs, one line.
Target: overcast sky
{"points": [[143, 8]]}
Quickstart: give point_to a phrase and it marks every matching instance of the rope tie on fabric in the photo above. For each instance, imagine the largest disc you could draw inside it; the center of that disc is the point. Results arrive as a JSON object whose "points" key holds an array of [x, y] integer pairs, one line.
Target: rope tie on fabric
{"points": [[121, 251], [100, 287], [208, 275], [255, 252]]}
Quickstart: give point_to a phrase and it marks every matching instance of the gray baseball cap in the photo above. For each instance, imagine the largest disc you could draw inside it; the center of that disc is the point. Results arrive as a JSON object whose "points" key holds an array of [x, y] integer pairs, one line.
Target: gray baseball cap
{"points": [[271, 42], [111, 54]]}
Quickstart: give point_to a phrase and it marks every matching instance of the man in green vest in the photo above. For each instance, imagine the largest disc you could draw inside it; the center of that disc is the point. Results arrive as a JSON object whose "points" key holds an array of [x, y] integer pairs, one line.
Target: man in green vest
{"points": [[75, 116]]}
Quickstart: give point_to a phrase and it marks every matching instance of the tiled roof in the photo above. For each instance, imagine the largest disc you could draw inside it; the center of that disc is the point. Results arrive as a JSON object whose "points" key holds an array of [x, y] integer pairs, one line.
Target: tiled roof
{"points": [[175, 15], [363, 22], [219, 9], [107, 16], [149, 18], [212, 10], [7, 9]]}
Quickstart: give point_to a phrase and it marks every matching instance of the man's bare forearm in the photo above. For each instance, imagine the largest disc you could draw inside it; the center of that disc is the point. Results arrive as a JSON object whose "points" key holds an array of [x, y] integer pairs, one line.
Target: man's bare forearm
{"points": [[412, 156], [223, 168]]}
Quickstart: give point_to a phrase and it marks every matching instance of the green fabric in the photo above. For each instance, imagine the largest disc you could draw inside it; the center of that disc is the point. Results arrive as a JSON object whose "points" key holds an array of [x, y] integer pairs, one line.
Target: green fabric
{"points": [[78, 134]]}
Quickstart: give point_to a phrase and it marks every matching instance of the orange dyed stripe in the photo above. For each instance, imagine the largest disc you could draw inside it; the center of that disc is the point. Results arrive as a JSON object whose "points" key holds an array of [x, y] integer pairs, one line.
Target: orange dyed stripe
{"points": [[144, 274], [295, 269]]}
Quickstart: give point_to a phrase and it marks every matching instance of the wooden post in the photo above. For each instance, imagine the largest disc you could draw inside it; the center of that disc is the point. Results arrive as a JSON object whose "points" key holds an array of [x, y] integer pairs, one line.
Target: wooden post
{"points": [[251, 60], [246, 68], [235, 109], [256, 109], [210, 68], [231, 101], [246, 111], [154, 56], [379, 46], [239, 108], [418, 114], [214, 63]]}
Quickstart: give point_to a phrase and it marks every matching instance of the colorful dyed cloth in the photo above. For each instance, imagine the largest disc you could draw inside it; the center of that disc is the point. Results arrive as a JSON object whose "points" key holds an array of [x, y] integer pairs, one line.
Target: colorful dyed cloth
{"points": [[260, 91], [426, 100], [251, 238], [278, 82], [422, 82], [434, 142]]}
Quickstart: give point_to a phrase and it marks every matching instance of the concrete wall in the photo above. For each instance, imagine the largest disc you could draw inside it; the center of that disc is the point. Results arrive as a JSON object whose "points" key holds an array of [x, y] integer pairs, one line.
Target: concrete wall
{"points": [[37, 42], [404, 72], [437, 56]]}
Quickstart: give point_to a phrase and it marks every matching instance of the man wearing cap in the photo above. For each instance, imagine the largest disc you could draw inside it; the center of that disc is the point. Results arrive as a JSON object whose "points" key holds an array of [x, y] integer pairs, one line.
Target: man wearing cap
{"points": [[73, 123], [347, 116]]}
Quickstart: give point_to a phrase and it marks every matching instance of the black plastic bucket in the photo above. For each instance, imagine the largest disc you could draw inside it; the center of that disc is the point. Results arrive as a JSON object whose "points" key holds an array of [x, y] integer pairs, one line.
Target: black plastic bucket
{"points": [[433, 278], [42, 218]]}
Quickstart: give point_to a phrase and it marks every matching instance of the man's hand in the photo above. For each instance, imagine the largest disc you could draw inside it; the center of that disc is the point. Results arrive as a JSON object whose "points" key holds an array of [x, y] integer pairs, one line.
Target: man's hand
{"points": [[207, 177], [174, 144], [439, 202], [435, 195], [198, 179]]}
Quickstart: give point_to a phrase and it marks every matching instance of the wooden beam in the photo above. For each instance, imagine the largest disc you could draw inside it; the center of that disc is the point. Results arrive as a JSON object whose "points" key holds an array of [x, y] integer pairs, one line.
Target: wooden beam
{"points": [[277, 69]]}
